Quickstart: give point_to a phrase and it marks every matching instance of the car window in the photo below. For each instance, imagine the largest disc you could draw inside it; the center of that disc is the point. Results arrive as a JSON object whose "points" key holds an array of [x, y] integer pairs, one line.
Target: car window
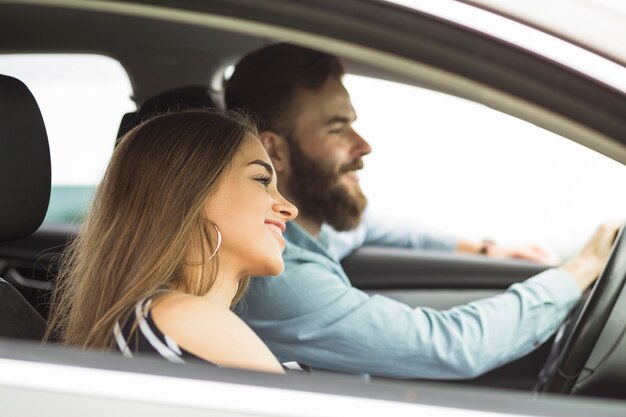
{"points": [[468, 169], [82, 99]]}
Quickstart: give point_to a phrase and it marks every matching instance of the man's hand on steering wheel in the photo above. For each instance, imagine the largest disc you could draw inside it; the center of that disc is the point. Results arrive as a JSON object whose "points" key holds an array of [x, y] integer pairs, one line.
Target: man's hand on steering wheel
{"points": [[587, 265], [579, 334]]}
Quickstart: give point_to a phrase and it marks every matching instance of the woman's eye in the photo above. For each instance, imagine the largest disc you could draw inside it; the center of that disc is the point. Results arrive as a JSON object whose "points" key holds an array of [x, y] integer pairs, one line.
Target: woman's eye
{"points": [[266, 181]]}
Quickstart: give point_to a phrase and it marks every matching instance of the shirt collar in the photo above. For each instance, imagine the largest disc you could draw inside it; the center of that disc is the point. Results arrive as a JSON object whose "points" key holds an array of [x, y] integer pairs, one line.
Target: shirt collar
{"points": [[297, 236]]}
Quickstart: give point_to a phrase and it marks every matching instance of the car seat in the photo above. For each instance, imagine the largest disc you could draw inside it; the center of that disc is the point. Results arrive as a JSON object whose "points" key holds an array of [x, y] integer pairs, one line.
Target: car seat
{"points": [[183, 98], [24, 194]]}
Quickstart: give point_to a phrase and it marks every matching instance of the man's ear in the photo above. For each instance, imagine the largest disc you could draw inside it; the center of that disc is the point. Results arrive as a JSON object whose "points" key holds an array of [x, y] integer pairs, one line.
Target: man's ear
{"points": [[276, 147]]}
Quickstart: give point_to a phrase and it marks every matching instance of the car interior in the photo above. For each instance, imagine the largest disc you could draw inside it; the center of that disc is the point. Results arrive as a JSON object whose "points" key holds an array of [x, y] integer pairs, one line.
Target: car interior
{"points": [[175, 65], [24, 142]]}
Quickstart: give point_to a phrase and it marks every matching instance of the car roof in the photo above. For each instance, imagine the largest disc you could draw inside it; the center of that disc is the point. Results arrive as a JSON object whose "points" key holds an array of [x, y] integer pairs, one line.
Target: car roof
{"points": [[151, 50], [597, 25], [163, 45]]}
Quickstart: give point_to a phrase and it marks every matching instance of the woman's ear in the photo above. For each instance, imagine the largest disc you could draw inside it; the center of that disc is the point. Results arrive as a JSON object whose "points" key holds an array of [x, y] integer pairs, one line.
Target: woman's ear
{"points": [[277, 149]]}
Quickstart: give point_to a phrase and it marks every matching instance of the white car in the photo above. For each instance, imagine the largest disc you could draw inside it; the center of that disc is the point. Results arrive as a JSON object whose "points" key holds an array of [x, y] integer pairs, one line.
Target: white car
{"points": [[537, 62]]}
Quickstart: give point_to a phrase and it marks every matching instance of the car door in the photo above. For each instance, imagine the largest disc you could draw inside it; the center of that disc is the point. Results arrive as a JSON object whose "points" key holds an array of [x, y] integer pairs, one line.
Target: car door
{"points": [[418, 47]]}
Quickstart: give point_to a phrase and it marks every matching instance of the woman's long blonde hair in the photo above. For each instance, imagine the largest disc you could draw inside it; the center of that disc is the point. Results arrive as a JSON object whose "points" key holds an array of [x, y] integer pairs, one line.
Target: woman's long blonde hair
{"points": [[146, 212]]}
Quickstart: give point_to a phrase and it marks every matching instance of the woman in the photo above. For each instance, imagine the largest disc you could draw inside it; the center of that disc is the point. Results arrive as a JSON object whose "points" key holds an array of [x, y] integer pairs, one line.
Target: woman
{"points": [[187, 211]]}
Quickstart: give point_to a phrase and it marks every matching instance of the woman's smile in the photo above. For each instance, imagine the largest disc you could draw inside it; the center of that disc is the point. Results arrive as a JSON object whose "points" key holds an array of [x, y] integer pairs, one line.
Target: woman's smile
{"points": [[276, 227]]}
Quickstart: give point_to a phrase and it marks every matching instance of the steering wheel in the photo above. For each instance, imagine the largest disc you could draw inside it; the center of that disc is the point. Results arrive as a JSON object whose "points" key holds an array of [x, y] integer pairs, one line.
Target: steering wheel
{"points": [[579, 333]]}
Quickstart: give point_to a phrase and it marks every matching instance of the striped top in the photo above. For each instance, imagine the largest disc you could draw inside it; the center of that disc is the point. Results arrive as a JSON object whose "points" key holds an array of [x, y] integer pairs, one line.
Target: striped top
{"points": [[147, 337]]}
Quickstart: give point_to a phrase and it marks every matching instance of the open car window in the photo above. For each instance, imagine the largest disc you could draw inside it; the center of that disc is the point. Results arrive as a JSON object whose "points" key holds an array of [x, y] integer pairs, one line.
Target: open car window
{"points": [[82, 99], [446, 162], [465, 168]]}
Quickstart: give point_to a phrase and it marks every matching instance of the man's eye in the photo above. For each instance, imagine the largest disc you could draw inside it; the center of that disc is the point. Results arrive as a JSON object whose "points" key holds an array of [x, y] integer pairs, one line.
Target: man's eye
{"points": [[265, 180], [336, 130]]}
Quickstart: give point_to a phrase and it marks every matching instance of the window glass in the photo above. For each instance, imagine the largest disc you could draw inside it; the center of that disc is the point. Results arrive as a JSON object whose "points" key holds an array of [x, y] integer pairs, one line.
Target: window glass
{"points": [[82, 99], [465, 168]]}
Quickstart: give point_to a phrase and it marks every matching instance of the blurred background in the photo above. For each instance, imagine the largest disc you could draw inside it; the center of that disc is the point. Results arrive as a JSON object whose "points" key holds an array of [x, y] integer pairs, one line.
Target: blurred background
{"points": [[437, 159]]}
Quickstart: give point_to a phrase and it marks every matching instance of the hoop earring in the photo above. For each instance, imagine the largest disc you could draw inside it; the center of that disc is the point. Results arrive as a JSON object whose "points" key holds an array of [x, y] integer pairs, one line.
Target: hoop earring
{"points": [[217, 246], [219, 238]]}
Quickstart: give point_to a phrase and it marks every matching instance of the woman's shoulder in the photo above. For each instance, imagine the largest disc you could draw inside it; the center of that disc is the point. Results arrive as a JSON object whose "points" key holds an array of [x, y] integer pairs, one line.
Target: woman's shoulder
{"points": [[180, 313], [176, 306], [212, 331]]}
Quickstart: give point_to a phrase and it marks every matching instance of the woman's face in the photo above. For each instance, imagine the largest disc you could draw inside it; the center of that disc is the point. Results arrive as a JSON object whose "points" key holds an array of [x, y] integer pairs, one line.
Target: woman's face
{"points": [[250, 213]]}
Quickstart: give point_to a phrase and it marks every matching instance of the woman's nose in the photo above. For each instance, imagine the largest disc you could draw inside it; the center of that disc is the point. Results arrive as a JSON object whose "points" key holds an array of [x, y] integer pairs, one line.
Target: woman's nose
{"points": [[285, 208]]}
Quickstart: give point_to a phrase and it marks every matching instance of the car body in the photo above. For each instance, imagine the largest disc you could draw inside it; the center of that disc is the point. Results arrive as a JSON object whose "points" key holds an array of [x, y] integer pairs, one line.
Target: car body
{"points": [[452, 47]]}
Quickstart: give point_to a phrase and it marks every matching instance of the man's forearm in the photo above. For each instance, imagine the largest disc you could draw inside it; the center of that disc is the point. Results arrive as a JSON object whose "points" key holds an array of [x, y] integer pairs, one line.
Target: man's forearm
{"points": [[466, 246]]}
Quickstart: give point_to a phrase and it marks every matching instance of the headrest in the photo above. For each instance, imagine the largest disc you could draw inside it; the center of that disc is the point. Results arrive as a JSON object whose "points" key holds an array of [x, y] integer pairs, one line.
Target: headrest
{"points": [[184, 98], [24, 162]]}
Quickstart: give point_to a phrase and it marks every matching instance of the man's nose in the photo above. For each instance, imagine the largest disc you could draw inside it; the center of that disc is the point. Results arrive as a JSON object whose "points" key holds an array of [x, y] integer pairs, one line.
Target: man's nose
{"points": [[361, 146]]}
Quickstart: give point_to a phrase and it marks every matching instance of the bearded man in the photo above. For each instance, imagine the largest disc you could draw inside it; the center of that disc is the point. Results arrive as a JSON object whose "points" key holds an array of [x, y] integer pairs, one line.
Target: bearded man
{"points": [[311, 313]]}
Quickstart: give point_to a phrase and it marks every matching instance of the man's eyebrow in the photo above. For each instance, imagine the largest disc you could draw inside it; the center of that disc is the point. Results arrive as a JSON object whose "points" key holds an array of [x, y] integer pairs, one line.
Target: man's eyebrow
{"points": [[339, 119], [264, 164]]}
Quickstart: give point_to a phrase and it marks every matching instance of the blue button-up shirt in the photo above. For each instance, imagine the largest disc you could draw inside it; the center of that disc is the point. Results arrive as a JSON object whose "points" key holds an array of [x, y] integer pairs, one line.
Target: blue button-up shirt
{"points": [[313, 315]]}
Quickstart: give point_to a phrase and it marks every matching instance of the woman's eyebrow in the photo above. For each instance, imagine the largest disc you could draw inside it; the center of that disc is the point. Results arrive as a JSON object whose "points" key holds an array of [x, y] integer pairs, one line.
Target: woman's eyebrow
{"points": [[264, 164]]}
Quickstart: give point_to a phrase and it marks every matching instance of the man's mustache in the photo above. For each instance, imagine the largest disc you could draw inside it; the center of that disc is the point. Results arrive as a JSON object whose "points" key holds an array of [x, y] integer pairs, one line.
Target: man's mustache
{"points": [[352, 166]]}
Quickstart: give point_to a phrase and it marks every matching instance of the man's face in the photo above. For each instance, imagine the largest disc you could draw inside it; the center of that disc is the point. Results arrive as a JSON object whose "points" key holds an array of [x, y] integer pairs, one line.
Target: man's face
{"points": [[324, 154]]}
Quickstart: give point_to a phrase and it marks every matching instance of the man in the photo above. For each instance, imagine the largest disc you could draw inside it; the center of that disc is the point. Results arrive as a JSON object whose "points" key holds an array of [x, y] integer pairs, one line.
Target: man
{"points": [[311, 313]]}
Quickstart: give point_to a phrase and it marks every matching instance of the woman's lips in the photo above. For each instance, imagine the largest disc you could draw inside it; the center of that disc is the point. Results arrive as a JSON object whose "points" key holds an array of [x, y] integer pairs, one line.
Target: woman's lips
{"points": [[274, 228], [277, 228], [280, 226]]}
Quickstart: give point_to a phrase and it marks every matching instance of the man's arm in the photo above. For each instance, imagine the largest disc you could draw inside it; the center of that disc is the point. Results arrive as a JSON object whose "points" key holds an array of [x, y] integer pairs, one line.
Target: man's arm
{"points": [[313, 316], [380, 231], [528, 252]]}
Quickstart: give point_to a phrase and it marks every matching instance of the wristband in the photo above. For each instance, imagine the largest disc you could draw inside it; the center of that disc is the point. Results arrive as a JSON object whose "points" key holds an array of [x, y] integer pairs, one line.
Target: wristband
{"points": [[485, 245]]}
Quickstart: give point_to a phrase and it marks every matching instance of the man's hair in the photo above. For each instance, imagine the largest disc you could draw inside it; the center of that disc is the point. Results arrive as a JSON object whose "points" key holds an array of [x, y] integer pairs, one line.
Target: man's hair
{"points": [[265, 82]]}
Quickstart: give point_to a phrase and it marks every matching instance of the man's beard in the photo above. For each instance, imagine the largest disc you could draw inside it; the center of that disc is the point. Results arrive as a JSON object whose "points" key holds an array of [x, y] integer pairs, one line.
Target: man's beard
{"points": [[318, 193]]}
